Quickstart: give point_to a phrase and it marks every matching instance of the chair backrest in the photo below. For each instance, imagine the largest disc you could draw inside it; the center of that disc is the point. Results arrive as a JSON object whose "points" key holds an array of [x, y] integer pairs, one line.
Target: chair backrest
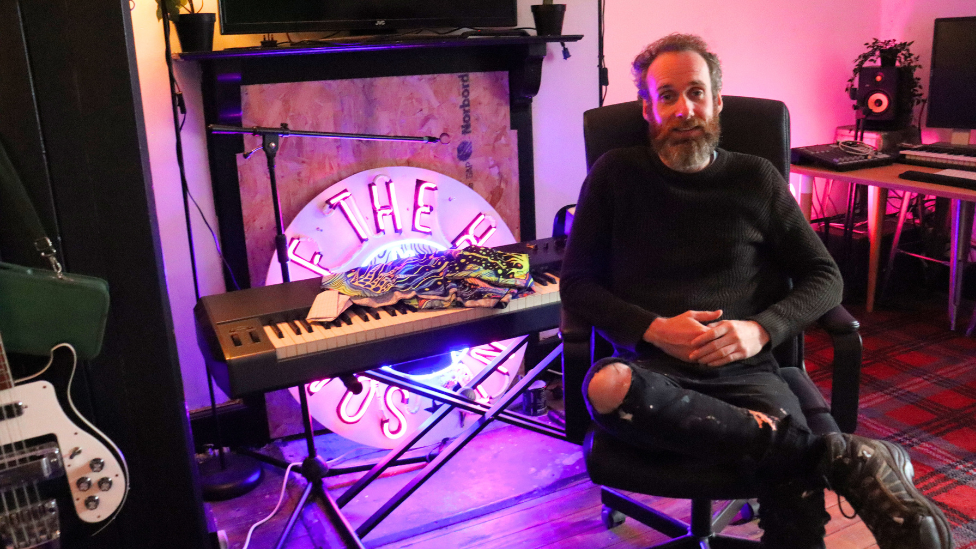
{"points": [[749, 125]]}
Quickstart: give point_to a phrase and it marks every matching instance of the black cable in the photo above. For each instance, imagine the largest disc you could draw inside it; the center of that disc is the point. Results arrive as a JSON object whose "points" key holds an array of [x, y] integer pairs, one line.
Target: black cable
{"points": [[179, 106], [603, 75], [215, 239], [175, 99]]}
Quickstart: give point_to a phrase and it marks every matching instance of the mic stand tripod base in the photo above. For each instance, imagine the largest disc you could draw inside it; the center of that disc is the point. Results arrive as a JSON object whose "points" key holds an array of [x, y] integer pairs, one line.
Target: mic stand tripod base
{"points": [[239, 475]]}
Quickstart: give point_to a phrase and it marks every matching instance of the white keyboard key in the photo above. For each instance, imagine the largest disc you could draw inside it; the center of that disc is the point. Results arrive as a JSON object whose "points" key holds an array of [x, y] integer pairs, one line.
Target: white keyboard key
{"points": [[280, 343]]}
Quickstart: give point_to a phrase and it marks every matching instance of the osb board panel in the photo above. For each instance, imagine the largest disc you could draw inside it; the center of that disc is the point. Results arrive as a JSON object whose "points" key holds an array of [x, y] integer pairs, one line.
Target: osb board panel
{"points": [[483, 155]]}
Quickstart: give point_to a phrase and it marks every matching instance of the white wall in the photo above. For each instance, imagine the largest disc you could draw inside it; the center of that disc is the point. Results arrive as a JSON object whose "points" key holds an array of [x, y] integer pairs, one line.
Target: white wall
{"points": [[568, 88]]}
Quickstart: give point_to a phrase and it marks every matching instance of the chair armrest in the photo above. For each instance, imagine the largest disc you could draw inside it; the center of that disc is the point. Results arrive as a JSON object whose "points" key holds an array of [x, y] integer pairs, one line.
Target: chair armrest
{"points": [[845, 394], [577, 335], [573, 328], [838, 320]]}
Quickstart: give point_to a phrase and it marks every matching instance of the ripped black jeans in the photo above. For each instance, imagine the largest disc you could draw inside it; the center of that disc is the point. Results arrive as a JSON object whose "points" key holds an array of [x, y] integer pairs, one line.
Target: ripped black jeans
{"points": [[737, 412], [741, 414]]}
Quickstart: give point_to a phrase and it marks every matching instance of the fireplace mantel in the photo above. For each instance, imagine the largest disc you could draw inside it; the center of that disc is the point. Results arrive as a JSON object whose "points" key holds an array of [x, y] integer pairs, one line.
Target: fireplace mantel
{"points": [[225, 71]]}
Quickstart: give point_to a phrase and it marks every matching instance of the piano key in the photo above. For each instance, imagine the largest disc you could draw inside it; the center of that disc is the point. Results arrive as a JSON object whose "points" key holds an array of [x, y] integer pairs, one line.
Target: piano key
{"points": [[280, 341], [324, 331], [297, 346], [358, 311]]}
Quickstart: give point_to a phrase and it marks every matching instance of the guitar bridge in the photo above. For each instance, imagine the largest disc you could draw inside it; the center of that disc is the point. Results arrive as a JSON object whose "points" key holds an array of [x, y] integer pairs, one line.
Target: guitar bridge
{"points": [[30, 526], [34, 463]]}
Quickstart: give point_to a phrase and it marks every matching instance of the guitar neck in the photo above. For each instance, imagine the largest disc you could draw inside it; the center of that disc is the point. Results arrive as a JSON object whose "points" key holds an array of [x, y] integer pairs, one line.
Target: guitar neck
{"points": [[6, 379]]}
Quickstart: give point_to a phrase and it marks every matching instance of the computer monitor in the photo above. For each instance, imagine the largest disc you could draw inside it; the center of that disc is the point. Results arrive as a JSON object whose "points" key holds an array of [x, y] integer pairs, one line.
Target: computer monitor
{"points": [[952, 83], [262, 16]]}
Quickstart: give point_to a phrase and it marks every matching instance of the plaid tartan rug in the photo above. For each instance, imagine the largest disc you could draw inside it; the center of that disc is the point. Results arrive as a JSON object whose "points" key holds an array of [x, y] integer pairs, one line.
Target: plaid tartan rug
{"points": [[918, 389]]}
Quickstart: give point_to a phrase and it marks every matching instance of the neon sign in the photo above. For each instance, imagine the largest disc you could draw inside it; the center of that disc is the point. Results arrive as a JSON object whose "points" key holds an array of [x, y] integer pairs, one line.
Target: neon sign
{"points": [[362, 221]]}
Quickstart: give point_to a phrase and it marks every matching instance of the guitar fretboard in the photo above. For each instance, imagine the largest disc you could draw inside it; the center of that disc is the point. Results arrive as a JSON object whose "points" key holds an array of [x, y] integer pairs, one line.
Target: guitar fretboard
{"points": [[6, 379]]}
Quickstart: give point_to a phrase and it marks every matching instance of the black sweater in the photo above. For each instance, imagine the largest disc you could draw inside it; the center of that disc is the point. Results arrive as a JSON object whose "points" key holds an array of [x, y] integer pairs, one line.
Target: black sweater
{"points": [[647, 241]]}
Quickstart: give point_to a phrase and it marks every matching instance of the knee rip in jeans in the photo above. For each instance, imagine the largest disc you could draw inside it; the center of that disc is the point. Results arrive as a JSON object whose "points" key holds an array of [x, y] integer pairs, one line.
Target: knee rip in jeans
{"points": [[763, 419], [608, 387]]}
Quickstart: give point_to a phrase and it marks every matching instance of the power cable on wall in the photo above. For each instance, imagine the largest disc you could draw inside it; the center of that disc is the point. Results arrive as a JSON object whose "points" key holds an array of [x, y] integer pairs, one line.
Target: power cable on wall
{"points": [[604, 74]]}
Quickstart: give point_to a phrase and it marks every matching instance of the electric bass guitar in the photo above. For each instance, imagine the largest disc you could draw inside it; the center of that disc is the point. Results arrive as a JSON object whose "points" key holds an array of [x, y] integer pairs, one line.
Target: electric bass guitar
{"points": [[53, 472]]}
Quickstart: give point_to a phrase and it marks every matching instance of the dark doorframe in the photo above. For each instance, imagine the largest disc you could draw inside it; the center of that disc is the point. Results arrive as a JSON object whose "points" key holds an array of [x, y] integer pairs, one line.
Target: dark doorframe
{"points": [[71, 119]]}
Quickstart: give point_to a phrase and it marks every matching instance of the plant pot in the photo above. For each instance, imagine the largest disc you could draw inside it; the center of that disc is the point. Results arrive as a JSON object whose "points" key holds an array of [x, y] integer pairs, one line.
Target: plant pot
{"points": [[888, 57], [548, 19], [195, 31]]}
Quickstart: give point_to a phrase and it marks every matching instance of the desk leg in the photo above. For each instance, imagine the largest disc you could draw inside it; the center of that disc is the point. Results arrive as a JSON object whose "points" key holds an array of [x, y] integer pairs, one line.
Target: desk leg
{"points": [[877, 202], [806, 195], [962, 230]]}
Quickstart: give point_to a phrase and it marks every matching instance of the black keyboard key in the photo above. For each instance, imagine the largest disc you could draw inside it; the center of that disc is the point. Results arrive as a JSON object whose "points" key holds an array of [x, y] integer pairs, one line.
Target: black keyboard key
{"points": [[358, 311], [294, 326]]}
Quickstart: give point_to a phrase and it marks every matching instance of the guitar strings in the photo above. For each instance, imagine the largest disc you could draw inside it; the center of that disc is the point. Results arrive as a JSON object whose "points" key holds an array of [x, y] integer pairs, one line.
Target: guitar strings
{"points": [[12, 458]]}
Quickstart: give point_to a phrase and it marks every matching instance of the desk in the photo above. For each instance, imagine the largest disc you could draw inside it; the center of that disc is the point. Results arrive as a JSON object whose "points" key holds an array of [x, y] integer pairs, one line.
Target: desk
{"points": [[879, 180]]}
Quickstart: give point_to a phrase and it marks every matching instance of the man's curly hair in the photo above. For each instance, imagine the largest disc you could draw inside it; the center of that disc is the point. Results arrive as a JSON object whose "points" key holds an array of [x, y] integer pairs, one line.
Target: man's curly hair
{"points": [[675, 42]]}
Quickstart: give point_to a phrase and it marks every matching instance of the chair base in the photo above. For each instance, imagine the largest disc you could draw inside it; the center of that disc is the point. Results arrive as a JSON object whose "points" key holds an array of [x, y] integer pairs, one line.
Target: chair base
{"points": [[716, 541], [701, 533]]}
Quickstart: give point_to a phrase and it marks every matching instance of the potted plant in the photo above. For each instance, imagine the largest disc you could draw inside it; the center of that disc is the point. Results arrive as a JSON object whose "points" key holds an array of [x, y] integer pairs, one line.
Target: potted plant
{"points": [[548, 18], [891, 53], [194, 29]]}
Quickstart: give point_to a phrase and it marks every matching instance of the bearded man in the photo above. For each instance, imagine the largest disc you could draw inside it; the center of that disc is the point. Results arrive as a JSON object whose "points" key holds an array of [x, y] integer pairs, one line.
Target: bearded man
{"points": [[676, 255]]}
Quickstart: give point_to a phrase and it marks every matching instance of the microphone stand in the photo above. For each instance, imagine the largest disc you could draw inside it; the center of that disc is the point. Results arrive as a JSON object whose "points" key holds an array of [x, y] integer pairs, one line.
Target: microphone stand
{"points": [[313, 468]]}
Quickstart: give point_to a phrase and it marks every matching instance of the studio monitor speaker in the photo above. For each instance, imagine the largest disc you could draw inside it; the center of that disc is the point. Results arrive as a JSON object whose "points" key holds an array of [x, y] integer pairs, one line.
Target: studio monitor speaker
{"points": [[877, 93]]}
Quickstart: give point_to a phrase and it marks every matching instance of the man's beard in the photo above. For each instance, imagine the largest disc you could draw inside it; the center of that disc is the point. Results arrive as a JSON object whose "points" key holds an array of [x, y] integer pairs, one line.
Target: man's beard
{"points": [[685, 154]]}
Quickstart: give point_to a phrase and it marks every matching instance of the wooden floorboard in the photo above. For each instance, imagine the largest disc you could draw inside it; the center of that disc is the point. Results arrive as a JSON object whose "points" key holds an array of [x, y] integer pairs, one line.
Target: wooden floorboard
{"points": [[570, 519], [567, 518]]}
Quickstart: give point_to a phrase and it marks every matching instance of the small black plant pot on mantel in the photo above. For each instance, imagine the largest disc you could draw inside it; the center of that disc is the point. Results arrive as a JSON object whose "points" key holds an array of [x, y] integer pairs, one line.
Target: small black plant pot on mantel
{"points": [[195, 31], [548, 18]]}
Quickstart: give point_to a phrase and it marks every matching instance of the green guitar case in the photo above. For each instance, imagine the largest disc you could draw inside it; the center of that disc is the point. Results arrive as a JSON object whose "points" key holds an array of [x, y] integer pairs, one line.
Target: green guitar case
{"points": [[41, 308]]}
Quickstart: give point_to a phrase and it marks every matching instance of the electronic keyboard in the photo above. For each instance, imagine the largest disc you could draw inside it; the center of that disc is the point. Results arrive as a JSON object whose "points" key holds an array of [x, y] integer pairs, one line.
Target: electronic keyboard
{"points": [[953, 178], [257, 340], [941, 155]]}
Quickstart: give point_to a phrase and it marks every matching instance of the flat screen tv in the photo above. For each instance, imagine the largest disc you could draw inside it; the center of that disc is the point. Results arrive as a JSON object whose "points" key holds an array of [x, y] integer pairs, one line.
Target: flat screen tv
{"points": [[269, 16], [952, 84]]}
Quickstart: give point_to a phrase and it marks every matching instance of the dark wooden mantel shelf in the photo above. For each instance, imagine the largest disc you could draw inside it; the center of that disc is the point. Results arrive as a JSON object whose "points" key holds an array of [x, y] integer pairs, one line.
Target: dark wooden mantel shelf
{"points": [[353, 43], [522, 55], [225, 72]]}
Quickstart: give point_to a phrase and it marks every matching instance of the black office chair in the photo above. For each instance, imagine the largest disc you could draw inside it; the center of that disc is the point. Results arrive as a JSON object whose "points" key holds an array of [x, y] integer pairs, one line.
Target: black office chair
{"points": [[749, 125]]}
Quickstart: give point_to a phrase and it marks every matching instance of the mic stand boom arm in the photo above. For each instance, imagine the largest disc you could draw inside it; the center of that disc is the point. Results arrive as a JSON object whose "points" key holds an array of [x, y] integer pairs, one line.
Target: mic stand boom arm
{"points": [[313, 468]]}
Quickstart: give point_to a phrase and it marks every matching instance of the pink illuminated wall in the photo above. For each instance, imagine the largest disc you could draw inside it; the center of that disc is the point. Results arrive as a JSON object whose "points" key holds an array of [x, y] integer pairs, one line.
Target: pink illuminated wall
{"points": [[799, 52]]}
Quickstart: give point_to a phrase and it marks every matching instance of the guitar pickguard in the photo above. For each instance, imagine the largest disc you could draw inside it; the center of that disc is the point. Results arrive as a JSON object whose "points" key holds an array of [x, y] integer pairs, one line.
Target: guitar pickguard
{"points": [[95, 477]]}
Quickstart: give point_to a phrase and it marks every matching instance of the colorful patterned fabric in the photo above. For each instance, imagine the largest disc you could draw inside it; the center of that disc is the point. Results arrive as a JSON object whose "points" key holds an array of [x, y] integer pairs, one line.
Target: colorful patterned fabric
{"points": [[472, 277], [918, 389]]}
